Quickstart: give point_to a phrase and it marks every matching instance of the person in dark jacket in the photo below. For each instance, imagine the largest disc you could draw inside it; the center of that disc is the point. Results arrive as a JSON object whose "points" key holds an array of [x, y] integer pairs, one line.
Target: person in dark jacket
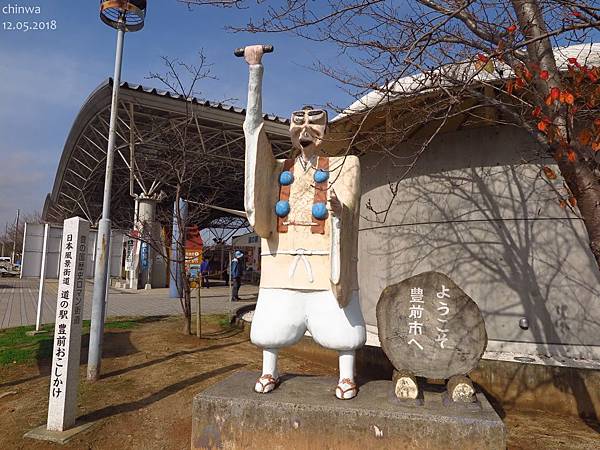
{"points": [[237, 264]]}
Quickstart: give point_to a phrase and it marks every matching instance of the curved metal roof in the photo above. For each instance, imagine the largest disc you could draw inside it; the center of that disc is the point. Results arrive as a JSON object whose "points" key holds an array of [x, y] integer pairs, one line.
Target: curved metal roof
{"points": [[149, 123]]}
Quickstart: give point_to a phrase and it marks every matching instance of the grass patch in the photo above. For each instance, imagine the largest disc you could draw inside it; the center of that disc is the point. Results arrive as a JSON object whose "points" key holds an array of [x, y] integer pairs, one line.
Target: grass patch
{"points": [[222, 320], [225, 322], [124, 324], [121, 325], [18, 348]]}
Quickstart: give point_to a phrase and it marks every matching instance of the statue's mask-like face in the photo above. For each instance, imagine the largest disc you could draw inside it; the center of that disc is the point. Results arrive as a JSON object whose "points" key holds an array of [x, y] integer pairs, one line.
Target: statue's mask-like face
{"points": [[307, 128]]}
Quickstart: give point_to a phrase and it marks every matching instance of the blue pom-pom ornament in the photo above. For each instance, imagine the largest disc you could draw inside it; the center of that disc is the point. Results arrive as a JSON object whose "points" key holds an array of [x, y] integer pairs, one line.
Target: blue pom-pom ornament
{"points": [[321, 176], [282, 208], [319, 211], [286, 178]]}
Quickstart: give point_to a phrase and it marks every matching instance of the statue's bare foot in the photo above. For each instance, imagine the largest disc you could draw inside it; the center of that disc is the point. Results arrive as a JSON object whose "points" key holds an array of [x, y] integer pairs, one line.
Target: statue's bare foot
{"points": [[405, 386], [460, 389], [266, 383], [346, 389]]}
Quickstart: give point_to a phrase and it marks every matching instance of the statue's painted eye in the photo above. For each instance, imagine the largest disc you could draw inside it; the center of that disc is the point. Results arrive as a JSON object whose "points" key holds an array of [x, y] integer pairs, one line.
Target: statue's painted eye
{"points": [[282, 208], [298, 120], [317, 116], [319, 211], [286, 178], [320, 176]]}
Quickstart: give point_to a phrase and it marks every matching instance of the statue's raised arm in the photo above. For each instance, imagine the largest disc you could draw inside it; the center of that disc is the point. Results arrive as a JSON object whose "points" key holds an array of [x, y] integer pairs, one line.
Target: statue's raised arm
{"points": [[259, 162]]}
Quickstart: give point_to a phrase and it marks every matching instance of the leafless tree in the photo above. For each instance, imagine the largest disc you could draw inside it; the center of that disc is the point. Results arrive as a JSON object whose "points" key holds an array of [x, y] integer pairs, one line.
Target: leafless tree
{"points": [[460, 60], [173, 167]]}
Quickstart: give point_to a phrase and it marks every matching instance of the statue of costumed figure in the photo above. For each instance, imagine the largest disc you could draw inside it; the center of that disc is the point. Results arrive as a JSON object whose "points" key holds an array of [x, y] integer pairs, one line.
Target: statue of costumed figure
{"points": [[306, 211]]}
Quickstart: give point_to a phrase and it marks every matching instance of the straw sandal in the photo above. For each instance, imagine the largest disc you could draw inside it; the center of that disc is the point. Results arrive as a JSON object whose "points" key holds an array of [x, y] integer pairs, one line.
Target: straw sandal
{"points": [[346, 389], [266, 383]]}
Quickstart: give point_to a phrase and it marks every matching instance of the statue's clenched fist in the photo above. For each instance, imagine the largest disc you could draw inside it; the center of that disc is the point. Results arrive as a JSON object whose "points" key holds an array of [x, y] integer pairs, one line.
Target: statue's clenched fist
{"points": [[253, 54]]}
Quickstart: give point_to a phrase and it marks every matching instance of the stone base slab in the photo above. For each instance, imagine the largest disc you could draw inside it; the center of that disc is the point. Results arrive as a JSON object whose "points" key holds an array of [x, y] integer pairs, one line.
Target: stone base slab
{"points": [[59, 437], [36, 332], [303, 413]]}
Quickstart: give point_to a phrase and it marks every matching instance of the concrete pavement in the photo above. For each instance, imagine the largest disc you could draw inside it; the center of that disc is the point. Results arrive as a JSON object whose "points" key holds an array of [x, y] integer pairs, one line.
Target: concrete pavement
{"points": [[18, 301]]}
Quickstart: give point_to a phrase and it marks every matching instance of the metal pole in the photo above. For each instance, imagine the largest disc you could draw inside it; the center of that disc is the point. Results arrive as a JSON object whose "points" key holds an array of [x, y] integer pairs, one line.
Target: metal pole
{"points": [[230, 285], [107, 281], [23, 250], [38, 317], [198, 313], [103, 240], [222, 258], [131, 149], [5, 236], [177, 262], [133, 273], [14, 249]]}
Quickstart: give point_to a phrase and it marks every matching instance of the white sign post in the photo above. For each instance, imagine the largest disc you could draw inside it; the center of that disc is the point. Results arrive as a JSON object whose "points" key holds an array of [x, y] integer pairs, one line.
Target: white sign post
{"points": [[64, 378], [131, 259], [129, 254], [38, 319]]}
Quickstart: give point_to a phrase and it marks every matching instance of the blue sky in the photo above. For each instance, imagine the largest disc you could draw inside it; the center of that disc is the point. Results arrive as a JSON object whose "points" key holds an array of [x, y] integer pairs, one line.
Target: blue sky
{"points": [[45, 76]]}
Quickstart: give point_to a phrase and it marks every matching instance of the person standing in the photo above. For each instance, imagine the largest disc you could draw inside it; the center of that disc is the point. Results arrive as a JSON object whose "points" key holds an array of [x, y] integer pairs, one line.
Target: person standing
{"points": [[236, 274], [204, 270]]}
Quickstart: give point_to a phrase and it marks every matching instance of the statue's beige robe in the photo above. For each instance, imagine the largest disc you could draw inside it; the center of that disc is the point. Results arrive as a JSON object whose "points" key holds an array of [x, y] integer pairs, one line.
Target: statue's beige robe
{"points": [[332, 256]]}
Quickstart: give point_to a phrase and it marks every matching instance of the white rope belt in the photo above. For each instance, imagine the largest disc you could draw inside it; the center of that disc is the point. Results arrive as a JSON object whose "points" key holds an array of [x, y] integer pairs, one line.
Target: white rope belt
{"points": [[300, 255]]}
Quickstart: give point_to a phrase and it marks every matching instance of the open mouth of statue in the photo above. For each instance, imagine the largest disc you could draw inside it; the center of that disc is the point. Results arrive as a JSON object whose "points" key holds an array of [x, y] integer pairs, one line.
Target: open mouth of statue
{"points": [[305, 141]]}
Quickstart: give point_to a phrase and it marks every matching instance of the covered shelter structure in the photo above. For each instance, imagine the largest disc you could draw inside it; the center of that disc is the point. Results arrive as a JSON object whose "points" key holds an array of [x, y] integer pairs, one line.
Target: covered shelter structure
{"points": [[158, 133], [146, 118]]}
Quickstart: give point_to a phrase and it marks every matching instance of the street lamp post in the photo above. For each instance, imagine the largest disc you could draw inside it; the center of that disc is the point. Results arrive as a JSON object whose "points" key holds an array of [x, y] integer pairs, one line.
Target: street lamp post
{"points": [[124, 16], [14, 249]]}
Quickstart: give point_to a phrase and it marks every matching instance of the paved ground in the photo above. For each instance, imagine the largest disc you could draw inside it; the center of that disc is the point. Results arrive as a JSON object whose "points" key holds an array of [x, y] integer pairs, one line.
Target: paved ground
{"points": [[18, 301]]}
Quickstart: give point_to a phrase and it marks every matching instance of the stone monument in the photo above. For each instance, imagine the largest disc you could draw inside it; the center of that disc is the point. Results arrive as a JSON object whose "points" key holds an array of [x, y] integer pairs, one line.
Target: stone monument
{"points": [[64, 378], [64, 375], [305, 209], [429, 327]]}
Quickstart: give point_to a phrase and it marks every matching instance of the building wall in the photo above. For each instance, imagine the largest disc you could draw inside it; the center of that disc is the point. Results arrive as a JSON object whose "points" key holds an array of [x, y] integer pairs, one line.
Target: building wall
{"points": [[477, 208], [33, 242]]}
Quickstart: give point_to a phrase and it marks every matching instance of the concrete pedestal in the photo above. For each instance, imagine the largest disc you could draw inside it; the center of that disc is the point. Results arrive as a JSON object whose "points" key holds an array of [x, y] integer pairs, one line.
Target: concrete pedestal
{"points": [[36, 332], [41, 433], [303, 413]]}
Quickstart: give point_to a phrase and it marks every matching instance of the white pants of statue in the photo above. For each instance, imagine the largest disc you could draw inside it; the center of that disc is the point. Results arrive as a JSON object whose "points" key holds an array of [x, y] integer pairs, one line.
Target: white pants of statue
{"points": [[282, 317]]}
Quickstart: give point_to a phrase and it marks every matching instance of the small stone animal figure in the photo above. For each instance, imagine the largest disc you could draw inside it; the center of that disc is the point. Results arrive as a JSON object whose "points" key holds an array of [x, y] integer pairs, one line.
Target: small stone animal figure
{"points": [[459, 387], [405, 385]]}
